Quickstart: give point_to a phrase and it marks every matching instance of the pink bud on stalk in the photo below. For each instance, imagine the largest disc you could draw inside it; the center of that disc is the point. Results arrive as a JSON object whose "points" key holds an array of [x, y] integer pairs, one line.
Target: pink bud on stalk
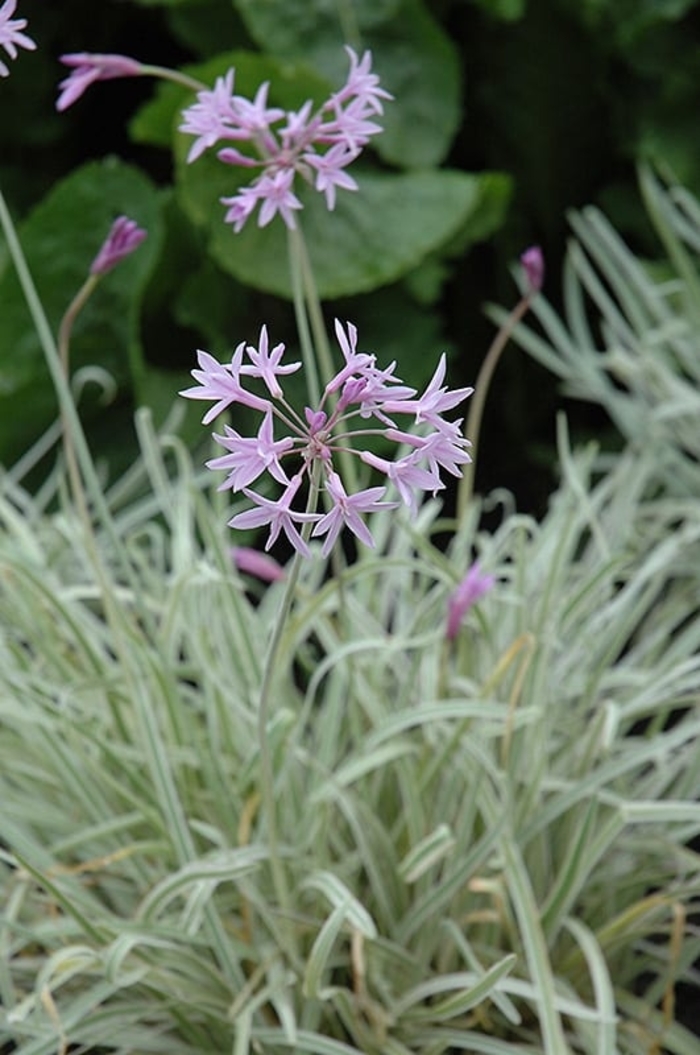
{"points": [[124, 237], [473, 586], [532, 262]]}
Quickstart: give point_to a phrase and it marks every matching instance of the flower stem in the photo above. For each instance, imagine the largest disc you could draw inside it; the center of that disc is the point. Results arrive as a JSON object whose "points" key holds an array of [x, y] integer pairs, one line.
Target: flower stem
{"points": [[164, 73], [481, 389], [75, 445], [64, 335], [312, 334], [313, 303], [69, 413], [267, 777], [295, 247]]}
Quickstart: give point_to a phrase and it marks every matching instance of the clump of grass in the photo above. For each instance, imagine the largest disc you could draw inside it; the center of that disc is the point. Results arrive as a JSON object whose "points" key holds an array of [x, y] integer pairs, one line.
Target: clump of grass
{"points": [[487, 844]]}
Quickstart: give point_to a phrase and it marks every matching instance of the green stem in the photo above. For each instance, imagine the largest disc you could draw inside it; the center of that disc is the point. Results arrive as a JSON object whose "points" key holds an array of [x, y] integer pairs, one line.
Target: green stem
{"points": [[313, 305], [267, 776], [69, 414], [295, 247], [481, 389], [163, 73], [64, 335], [312, 335]]}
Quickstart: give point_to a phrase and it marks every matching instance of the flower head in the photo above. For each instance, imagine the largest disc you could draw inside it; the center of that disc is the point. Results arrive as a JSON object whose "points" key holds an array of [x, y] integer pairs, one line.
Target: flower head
{"points": [[124, 237], [312, 441], [11, 35], [86, 69], [314, 145], [473, 586]]}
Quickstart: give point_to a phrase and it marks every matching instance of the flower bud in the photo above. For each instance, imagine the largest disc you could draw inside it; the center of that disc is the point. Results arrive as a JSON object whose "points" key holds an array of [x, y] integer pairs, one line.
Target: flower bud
{"points": [[532, 262], [124, 237]]}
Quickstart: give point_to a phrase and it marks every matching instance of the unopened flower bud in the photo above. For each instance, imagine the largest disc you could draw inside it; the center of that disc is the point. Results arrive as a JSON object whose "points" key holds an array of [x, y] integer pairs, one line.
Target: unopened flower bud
{"points": [[315, 419], [124, 237], [532, 262], [473, 586], [261, 565]]}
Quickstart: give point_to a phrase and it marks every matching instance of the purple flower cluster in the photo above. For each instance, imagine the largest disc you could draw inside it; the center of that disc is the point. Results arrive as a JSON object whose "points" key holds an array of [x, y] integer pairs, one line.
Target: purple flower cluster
{"points": [[11, 35], [317, 145], [360, 400]]}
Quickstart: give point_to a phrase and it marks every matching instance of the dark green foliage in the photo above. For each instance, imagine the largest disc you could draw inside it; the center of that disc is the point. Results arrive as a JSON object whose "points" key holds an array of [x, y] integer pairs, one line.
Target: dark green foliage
{"points": [[543, 104]]}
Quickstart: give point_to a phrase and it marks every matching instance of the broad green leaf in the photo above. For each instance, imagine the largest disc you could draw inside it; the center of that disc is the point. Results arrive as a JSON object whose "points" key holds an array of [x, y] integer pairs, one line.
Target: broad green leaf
{"points": [[412, 54], [419, 64], [60, 238], [206, 27], [291, 27], [372, 238], [507, 10]]}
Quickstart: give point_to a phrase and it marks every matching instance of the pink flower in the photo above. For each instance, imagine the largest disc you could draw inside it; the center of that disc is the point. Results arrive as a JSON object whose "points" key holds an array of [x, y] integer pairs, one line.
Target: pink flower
{"points": [[206, 119], [434, 401], [473, 586], [267, 365], [86, 69], [346, 511], [221, 383], [124, 237], [279, 515], [251, 456], [362, 85], [355, 362], [316, 146], [532, 262], [11, 35], [275, 192], [407, 476], [330, 170]]}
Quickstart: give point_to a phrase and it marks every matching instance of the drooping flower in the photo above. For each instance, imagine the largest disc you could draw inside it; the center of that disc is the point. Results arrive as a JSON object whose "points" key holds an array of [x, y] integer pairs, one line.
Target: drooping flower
{"points": [[315, 145], [86, 69], [473, 586], [124, 237], [313, 440], [11, 35]]}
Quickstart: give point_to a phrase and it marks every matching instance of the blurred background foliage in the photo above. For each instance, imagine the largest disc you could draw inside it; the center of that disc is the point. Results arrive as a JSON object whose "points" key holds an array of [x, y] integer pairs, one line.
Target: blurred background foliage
{"points": [[508, 113]]}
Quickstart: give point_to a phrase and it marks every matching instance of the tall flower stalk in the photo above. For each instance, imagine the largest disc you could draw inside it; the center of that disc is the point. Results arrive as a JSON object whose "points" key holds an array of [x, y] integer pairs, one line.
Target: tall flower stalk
{"points": [[312, 454], [532, 263], [124, 237], [299, 451]]}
